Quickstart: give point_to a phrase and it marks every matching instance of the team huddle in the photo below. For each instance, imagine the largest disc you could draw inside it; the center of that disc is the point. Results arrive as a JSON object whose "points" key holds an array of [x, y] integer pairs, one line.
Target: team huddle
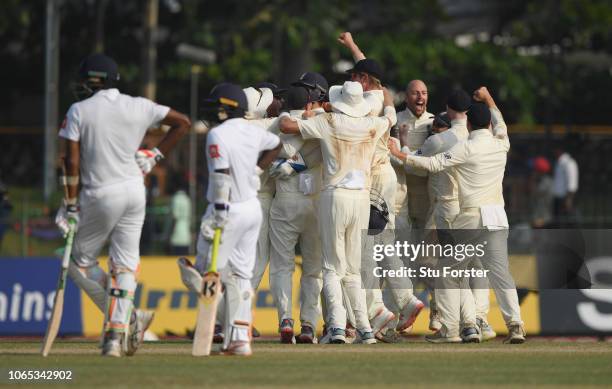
{"points": [[312, 166]]}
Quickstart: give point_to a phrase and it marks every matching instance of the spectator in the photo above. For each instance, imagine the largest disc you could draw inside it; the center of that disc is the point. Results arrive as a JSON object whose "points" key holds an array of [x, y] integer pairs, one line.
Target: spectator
{"points": [[541, 204], [565, 185], [180, 239]]}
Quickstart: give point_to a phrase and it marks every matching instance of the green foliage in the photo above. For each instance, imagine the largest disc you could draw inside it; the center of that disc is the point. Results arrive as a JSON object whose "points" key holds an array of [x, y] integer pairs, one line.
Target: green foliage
{"points": [[276, 40]]}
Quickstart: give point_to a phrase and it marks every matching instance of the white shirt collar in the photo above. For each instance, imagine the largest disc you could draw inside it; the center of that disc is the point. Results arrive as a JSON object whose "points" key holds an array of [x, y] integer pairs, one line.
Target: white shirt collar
{"points": [[480, 132], [110, 94], [455, 122]]}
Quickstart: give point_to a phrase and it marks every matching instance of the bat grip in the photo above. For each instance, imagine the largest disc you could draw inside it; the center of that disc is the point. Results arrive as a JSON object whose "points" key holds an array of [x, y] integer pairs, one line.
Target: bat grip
{"points": [[215, 250]]}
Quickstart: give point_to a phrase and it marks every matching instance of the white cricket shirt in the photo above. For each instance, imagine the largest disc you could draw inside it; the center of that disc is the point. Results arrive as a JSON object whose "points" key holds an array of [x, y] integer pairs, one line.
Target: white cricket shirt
{"points": [[479, 164], [566, 176], [347, 146], [235, 145], [110, 127], [443, 186]]}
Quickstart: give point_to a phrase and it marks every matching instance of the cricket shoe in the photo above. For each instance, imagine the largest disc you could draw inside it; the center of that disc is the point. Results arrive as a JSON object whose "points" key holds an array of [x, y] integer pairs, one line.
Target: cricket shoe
{"points": [[486, 330], [218, 337], [334, 336], [365, 337], [380, 322], [111, 347], [470, 335], [439, 337], [286, 331], [137, 330], [307, 336], [516, 334], [409, 313], [239, 347], [434, 320]]}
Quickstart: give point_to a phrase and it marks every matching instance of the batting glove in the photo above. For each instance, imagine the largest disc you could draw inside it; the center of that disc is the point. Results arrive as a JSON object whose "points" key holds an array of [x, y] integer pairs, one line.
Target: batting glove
{"points": [[216, 219], [146, 159], [67, 216]]}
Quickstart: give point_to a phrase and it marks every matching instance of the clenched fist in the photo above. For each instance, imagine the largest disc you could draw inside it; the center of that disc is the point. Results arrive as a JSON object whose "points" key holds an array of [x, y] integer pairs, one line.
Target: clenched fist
{"points": [[346, 39], [482, 94]]}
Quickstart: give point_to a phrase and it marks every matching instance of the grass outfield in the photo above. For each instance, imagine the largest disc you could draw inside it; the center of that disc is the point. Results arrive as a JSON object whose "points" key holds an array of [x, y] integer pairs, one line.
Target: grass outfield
{"points": [[413, 363]]}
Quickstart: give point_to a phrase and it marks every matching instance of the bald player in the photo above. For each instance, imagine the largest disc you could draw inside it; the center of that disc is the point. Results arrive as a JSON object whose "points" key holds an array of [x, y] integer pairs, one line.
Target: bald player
{"points": [[413, 124], [384, 184]]}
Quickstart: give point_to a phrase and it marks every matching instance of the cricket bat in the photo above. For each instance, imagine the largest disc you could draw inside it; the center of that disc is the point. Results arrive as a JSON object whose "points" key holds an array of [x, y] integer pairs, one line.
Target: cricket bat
{"points": [[58, 301], [209, 300]]}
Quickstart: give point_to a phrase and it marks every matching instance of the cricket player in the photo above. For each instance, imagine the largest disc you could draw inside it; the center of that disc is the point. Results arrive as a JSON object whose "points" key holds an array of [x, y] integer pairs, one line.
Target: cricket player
{"points": [[448, 128], [237, 152], [348, 140], [443, 192], [479, 164], [102, 133], [412, 199], [384, 182], [293, 219]]}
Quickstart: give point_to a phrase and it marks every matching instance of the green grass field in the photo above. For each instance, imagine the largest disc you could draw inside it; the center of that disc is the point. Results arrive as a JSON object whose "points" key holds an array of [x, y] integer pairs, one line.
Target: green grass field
{"points": [[412, 363]]}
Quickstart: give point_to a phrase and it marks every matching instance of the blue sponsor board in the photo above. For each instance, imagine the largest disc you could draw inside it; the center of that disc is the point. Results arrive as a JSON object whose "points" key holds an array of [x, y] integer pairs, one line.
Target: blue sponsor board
{"points": [[27, 290]]}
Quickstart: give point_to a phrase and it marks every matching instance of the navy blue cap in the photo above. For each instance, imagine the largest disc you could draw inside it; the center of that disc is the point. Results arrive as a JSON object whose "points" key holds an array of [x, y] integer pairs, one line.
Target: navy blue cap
{"points": [[228, 94], [368, 66], [100, 66], [479, 116], [459, 100]]}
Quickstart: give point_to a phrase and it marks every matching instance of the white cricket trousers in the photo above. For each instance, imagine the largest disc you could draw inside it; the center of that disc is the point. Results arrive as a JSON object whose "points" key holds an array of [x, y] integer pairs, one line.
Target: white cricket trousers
{"points": [[263, 241], [443, 214], [343, 214], [117, 212], [384, 182], [293, 219], [235, 262], [451, 302]]}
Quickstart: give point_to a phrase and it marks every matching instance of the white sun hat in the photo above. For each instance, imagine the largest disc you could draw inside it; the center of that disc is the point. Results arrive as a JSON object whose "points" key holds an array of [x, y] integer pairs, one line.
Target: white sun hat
{"points": [[258, 101], [348, 99]]}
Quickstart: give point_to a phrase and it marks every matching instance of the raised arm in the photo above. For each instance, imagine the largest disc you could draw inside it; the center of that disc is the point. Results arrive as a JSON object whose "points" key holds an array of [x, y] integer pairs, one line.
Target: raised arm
{"points": [[346, 40], [500, 130]]}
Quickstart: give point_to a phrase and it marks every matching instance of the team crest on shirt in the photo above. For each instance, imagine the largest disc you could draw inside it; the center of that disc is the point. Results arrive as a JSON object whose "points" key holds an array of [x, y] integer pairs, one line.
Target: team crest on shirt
{"points": [[447, 155], [213, 151]]}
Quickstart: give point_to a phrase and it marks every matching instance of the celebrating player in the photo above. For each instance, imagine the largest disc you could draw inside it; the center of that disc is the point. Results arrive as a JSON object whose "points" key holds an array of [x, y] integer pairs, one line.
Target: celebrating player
{"points": [[102, 134], [479, 164], [384, 184], [348, 139]]}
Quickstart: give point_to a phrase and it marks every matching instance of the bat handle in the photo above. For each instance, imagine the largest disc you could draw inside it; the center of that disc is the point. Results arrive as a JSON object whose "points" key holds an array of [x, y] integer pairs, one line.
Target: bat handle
{"points": [[215, 250]]}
